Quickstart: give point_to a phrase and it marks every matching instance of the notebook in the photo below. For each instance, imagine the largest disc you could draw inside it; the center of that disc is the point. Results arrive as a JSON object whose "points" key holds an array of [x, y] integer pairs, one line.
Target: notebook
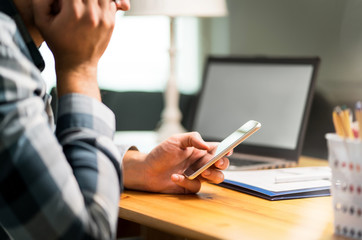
{"points": [[280, 184], [275, 91]]}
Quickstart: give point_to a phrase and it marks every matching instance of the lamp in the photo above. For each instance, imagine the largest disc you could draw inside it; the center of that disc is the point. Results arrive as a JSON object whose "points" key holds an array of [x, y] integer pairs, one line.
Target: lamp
{"points": [[171, 115]]}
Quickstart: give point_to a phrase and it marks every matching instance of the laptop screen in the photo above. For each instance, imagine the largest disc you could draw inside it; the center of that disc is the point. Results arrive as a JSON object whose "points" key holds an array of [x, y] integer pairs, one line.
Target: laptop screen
{"points": [[276, 92]]}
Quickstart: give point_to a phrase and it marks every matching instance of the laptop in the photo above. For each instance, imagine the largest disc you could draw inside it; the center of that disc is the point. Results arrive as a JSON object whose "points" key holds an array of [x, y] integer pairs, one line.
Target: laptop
{"points": [[275, 91]]}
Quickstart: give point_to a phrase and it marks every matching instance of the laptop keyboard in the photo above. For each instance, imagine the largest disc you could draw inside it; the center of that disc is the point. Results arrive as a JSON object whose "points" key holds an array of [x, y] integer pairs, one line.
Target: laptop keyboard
{"points": [[237, 163], [244, 162]]}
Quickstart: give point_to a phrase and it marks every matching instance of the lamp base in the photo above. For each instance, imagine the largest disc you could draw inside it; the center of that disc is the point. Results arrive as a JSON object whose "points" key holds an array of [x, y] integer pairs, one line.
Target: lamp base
{"points": [[170, 124], [169, 129], [171, 115]]}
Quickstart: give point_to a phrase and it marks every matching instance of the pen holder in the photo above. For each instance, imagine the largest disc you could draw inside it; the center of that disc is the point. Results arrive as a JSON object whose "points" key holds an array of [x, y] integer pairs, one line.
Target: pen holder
{"points": [[345, 160]]}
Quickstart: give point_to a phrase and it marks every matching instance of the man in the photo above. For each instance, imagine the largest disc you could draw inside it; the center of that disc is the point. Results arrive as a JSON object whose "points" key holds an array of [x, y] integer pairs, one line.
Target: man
{"points": [[66, 185]]}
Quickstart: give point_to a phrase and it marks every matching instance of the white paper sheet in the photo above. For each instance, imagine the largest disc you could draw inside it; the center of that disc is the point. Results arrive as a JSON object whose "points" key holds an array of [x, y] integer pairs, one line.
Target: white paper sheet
{"points": [[266, 179]]}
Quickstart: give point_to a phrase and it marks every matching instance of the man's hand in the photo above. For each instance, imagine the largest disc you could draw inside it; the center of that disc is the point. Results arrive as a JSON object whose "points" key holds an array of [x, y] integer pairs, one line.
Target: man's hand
{"points": [[162, 169], [77, 32]]}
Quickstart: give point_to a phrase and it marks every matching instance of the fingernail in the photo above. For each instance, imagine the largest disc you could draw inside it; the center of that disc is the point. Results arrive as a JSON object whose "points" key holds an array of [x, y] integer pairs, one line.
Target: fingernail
{"points": [[207, 172], [175, 178]]}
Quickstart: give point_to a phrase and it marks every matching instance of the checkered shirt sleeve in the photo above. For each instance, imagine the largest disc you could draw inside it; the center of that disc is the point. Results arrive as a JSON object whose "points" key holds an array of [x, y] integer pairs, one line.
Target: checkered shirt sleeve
{"points": [[53, 185]]}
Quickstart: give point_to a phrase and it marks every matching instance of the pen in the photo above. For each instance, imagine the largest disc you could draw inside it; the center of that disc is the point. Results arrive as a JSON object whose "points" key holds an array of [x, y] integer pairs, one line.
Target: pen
{"points": [[282, 178], [358, 113]]}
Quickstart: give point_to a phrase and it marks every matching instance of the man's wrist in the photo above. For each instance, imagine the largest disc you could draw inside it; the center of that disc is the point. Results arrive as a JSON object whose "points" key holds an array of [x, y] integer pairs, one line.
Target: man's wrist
{"points": [[81, 79], [134, 170]]}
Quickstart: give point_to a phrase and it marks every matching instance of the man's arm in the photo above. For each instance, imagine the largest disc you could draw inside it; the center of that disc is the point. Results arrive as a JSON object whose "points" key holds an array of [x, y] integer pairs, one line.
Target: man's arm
{"points": [[162, 169], [53, 188]]}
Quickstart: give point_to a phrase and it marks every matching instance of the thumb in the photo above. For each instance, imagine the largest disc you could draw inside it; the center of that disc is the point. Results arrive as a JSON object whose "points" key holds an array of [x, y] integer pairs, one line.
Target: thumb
{"points": [[193, 139], [55, 7], [43, 10], [187, 186]]}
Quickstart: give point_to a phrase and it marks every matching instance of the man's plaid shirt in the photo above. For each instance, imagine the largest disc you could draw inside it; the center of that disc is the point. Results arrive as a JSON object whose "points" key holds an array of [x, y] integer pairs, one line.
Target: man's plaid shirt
{"points": [[53, 185]]}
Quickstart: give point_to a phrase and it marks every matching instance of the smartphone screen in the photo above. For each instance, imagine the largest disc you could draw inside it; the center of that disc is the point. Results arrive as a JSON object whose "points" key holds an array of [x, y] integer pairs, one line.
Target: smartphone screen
{"points": [[223, 148]]}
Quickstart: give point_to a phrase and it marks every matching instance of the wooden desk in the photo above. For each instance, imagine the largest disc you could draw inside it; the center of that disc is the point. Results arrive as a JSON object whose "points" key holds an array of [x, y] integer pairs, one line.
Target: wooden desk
{"points": [[220, 213]]}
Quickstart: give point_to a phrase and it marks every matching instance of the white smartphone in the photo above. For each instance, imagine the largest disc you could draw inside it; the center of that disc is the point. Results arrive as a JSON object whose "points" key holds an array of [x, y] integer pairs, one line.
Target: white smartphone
{"points": [[223, 148]]}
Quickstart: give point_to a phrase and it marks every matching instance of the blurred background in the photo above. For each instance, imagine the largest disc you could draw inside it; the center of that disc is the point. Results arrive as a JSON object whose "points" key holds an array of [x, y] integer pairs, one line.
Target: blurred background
{"points": [[137, 59]]}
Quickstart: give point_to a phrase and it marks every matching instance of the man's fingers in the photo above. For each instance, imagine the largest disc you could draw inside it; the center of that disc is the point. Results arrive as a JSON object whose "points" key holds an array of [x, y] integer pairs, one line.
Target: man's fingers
{"points": [[192, 139], [222, 164], [213, 175], [189, 186]]}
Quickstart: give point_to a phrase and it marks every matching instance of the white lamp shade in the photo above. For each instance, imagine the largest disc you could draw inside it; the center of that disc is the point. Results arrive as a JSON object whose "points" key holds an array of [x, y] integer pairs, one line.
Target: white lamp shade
{"points": [[175, 8]]}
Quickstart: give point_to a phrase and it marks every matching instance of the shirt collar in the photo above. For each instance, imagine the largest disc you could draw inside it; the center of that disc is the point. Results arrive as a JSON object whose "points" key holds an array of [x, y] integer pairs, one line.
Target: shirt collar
{"points": [[8, 7]]}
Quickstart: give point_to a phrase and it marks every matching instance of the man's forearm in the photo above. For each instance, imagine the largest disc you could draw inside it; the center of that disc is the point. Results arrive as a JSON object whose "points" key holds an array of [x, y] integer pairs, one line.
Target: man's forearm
{"points": [[80, 79]]}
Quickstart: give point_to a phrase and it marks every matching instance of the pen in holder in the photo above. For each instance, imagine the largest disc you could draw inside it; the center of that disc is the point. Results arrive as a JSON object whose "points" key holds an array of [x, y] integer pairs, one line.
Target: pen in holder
{"points": [[345, 160]]}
